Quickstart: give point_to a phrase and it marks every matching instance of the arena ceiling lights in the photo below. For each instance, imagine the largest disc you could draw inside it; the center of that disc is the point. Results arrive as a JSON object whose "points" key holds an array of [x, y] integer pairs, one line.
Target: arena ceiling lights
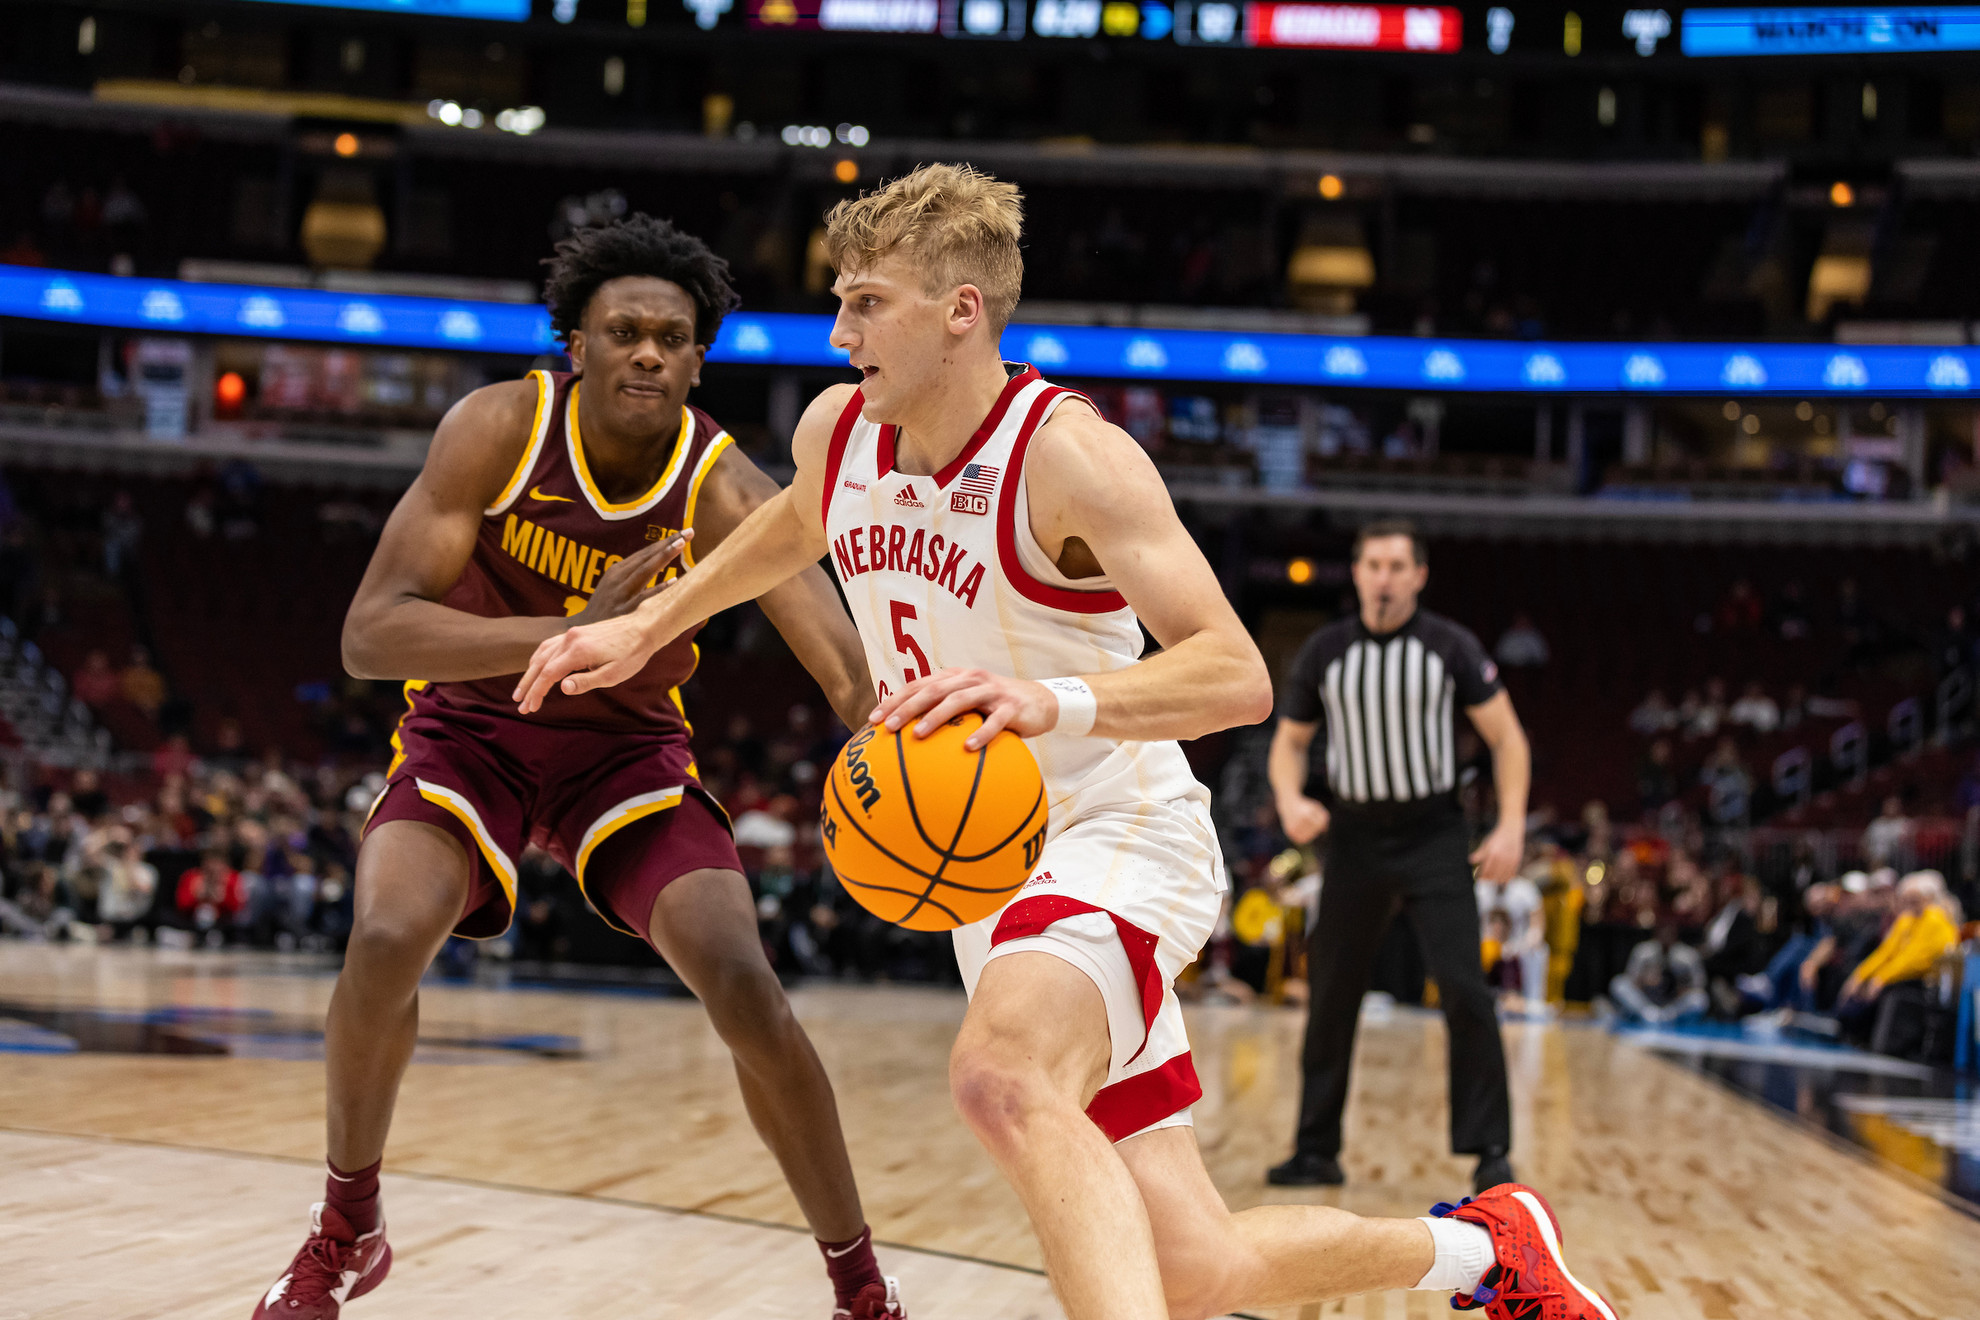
{"points": [[1074, 352]]}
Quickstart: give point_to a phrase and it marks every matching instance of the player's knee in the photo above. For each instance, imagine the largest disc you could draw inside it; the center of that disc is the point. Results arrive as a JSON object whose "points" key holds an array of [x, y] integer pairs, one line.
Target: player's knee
{"points": [[1193, 1290], [745, 1001], [396, 939], [998, 1097]]}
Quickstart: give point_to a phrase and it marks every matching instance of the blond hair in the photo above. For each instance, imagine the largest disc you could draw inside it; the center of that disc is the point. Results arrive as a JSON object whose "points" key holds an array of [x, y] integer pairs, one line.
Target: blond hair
{"points": [[956, 223]]}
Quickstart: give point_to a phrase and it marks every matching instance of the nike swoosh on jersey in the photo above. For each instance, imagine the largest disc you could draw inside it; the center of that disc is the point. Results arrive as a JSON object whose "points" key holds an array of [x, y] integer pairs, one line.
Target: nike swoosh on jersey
{"points": [[536, 493]]}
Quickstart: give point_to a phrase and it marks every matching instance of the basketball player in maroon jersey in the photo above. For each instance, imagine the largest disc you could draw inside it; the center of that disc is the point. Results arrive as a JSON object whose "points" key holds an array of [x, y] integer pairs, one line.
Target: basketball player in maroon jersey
{"points": [[545, 503]]}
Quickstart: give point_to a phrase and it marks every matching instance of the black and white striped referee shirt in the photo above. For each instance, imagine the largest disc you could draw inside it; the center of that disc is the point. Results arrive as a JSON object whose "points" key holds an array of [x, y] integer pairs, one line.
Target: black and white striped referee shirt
{"points": [[1390, 704]]}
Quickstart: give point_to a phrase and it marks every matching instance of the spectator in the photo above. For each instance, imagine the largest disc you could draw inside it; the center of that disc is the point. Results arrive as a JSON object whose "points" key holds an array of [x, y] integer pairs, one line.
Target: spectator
{"points": [[1702, 716], [201, 516], [210, 895], [96, 684], [129, 886], [1735, 945], [1653, 715], [1741, 610], [1885, 990], [1663, 983], [175, 759], [1791, 618], [1856, 624], [1518, 901], [1889, 835], [1521, 646], [1656, 777], [1728, 783], [1755, 710], [1781, 987], [86, 795], [1794, 708], [143, 686], [1952, 646], [122, 530]]}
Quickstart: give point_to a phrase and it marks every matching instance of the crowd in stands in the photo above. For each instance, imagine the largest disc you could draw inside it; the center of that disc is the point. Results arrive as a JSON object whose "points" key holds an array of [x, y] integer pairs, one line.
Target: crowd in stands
{"points": [[222, 851]]}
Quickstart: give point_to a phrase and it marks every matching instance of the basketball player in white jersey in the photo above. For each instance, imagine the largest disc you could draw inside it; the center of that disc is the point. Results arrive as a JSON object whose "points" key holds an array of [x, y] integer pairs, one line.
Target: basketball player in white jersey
{"points": [[1001, 546]]}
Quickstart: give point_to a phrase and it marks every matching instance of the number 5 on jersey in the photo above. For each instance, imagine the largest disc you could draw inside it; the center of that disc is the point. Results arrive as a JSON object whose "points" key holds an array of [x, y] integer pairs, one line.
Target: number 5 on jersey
{"points": [[904, 643]]}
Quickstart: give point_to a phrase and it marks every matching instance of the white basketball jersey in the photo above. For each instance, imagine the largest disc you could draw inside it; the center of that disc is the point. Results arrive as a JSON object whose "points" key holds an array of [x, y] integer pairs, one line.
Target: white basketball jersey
{"points": [[942, 572]]}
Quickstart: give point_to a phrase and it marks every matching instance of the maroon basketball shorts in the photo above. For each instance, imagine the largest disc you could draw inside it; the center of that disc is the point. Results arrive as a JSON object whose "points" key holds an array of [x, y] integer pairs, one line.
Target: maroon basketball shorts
{"points": [[499, 784]]}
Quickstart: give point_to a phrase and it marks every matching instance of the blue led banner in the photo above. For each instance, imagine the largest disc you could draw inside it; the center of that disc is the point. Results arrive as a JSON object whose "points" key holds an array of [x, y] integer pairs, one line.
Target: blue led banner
{"points": [[1074, 352], [265, 313], [1829, 31]]}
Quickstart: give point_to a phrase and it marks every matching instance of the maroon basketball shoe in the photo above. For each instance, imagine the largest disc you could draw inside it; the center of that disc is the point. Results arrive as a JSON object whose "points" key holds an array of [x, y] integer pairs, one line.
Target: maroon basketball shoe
{"points": [[875, 1302], [1530, 1281], [333, 1267]]}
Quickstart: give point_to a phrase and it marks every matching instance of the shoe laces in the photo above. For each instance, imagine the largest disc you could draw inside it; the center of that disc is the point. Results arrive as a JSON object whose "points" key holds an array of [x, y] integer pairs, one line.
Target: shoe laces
{"points": [[1497, 1301], [318, 1268], [1444, 1209]]}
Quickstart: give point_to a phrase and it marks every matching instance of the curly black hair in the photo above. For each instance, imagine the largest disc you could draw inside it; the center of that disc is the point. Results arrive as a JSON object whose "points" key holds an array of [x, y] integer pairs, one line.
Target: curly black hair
{"points": [[636, 245]]}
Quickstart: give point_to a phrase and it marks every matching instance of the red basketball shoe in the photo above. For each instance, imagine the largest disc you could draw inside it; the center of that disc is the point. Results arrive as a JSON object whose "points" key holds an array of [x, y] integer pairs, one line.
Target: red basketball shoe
{"points": [[1530, 1280], [333, 1267], [875, 1302]]}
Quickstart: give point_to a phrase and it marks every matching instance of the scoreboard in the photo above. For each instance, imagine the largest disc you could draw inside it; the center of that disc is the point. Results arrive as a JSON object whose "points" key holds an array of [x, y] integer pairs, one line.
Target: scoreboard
{"points": [[1259, 23]]}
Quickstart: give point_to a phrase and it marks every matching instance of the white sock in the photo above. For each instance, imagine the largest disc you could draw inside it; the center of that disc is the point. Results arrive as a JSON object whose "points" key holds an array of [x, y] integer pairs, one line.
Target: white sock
{"points": [[1464, 1253]]}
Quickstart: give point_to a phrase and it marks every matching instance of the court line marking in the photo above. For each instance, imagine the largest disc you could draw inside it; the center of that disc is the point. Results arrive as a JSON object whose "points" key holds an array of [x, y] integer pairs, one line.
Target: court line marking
{"points": [[94, 1139]]}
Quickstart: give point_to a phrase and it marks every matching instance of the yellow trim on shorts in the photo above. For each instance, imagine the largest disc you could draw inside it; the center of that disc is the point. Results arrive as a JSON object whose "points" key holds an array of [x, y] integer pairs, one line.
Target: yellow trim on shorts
{"points": [[539, 427], [462, 810], [398, 744], [632, 809], [701, 471], [603, 507]]}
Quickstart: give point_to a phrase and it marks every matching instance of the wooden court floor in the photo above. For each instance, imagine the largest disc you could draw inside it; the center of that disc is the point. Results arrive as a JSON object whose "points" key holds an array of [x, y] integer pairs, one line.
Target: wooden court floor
{"points": [[627, 1183]]}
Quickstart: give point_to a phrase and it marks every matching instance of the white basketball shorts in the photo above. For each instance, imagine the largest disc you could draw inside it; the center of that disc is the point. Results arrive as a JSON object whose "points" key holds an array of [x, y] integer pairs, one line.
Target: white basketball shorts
{"points": [[1128, 894]]}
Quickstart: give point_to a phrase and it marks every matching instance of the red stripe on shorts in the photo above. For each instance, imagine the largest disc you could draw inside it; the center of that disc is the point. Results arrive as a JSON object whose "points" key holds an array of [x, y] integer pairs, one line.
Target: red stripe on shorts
{"points": [[1136, 1102], [1031, 916]]}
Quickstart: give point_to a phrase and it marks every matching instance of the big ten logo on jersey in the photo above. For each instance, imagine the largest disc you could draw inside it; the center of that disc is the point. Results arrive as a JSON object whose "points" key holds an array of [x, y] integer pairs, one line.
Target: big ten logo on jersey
{"points": [[973, 490], [885, 549]]}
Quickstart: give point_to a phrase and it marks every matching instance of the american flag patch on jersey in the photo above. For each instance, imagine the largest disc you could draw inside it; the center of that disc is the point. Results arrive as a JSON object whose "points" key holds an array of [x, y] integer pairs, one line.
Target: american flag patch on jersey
{"points": [[978, 479]]}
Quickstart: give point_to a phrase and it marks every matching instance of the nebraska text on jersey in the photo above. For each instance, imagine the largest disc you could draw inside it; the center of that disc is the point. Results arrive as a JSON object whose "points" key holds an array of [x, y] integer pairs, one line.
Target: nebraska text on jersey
{"points": [[881, 548]]}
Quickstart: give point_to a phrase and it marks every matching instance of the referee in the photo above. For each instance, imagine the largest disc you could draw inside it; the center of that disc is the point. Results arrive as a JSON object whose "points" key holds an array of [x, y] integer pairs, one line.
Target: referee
{"points": [[1388, 685]]}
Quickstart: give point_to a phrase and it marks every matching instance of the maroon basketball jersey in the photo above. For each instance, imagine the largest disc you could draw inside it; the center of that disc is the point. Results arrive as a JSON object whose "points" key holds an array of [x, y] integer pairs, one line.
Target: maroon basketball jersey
{"points": [[548, 538]]}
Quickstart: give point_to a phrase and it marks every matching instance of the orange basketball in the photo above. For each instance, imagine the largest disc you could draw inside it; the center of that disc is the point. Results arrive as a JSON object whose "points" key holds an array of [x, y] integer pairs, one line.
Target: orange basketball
{"points": [[928, 835]]}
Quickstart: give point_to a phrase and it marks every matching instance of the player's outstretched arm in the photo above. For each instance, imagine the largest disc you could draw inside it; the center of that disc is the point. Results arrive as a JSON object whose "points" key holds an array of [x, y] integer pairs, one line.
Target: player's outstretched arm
{"points": [[806, 608], [396, 626], [784, 536], [1089, 481]]}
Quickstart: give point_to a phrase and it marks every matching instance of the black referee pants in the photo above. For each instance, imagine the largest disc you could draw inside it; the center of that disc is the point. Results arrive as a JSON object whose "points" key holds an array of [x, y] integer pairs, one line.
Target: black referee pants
{"points": [[1419, 868]]}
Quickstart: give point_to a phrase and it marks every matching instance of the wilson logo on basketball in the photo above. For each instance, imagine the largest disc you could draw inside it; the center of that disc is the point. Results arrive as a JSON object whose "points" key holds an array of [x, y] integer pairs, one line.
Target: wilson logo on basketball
{"points": [[962, 502], [907, 500], [858, 773]]}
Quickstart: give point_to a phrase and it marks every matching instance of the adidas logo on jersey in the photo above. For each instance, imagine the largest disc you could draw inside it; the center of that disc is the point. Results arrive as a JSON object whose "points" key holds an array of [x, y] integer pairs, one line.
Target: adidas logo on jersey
{"points": [[1042, 878], [906, 498]]}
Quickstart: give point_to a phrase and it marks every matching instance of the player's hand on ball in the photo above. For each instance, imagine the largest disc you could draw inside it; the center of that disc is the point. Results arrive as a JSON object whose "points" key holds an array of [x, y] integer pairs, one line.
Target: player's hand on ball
{"points": [[622, 587], [1498, 858], [580, 659], [1303, 819], [1018, 704]]}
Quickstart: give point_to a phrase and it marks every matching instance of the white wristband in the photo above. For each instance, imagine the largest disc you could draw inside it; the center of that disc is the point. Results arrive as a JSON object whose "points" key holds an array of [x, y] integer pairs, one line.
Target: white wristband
{"points": [[1077, 706]]}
